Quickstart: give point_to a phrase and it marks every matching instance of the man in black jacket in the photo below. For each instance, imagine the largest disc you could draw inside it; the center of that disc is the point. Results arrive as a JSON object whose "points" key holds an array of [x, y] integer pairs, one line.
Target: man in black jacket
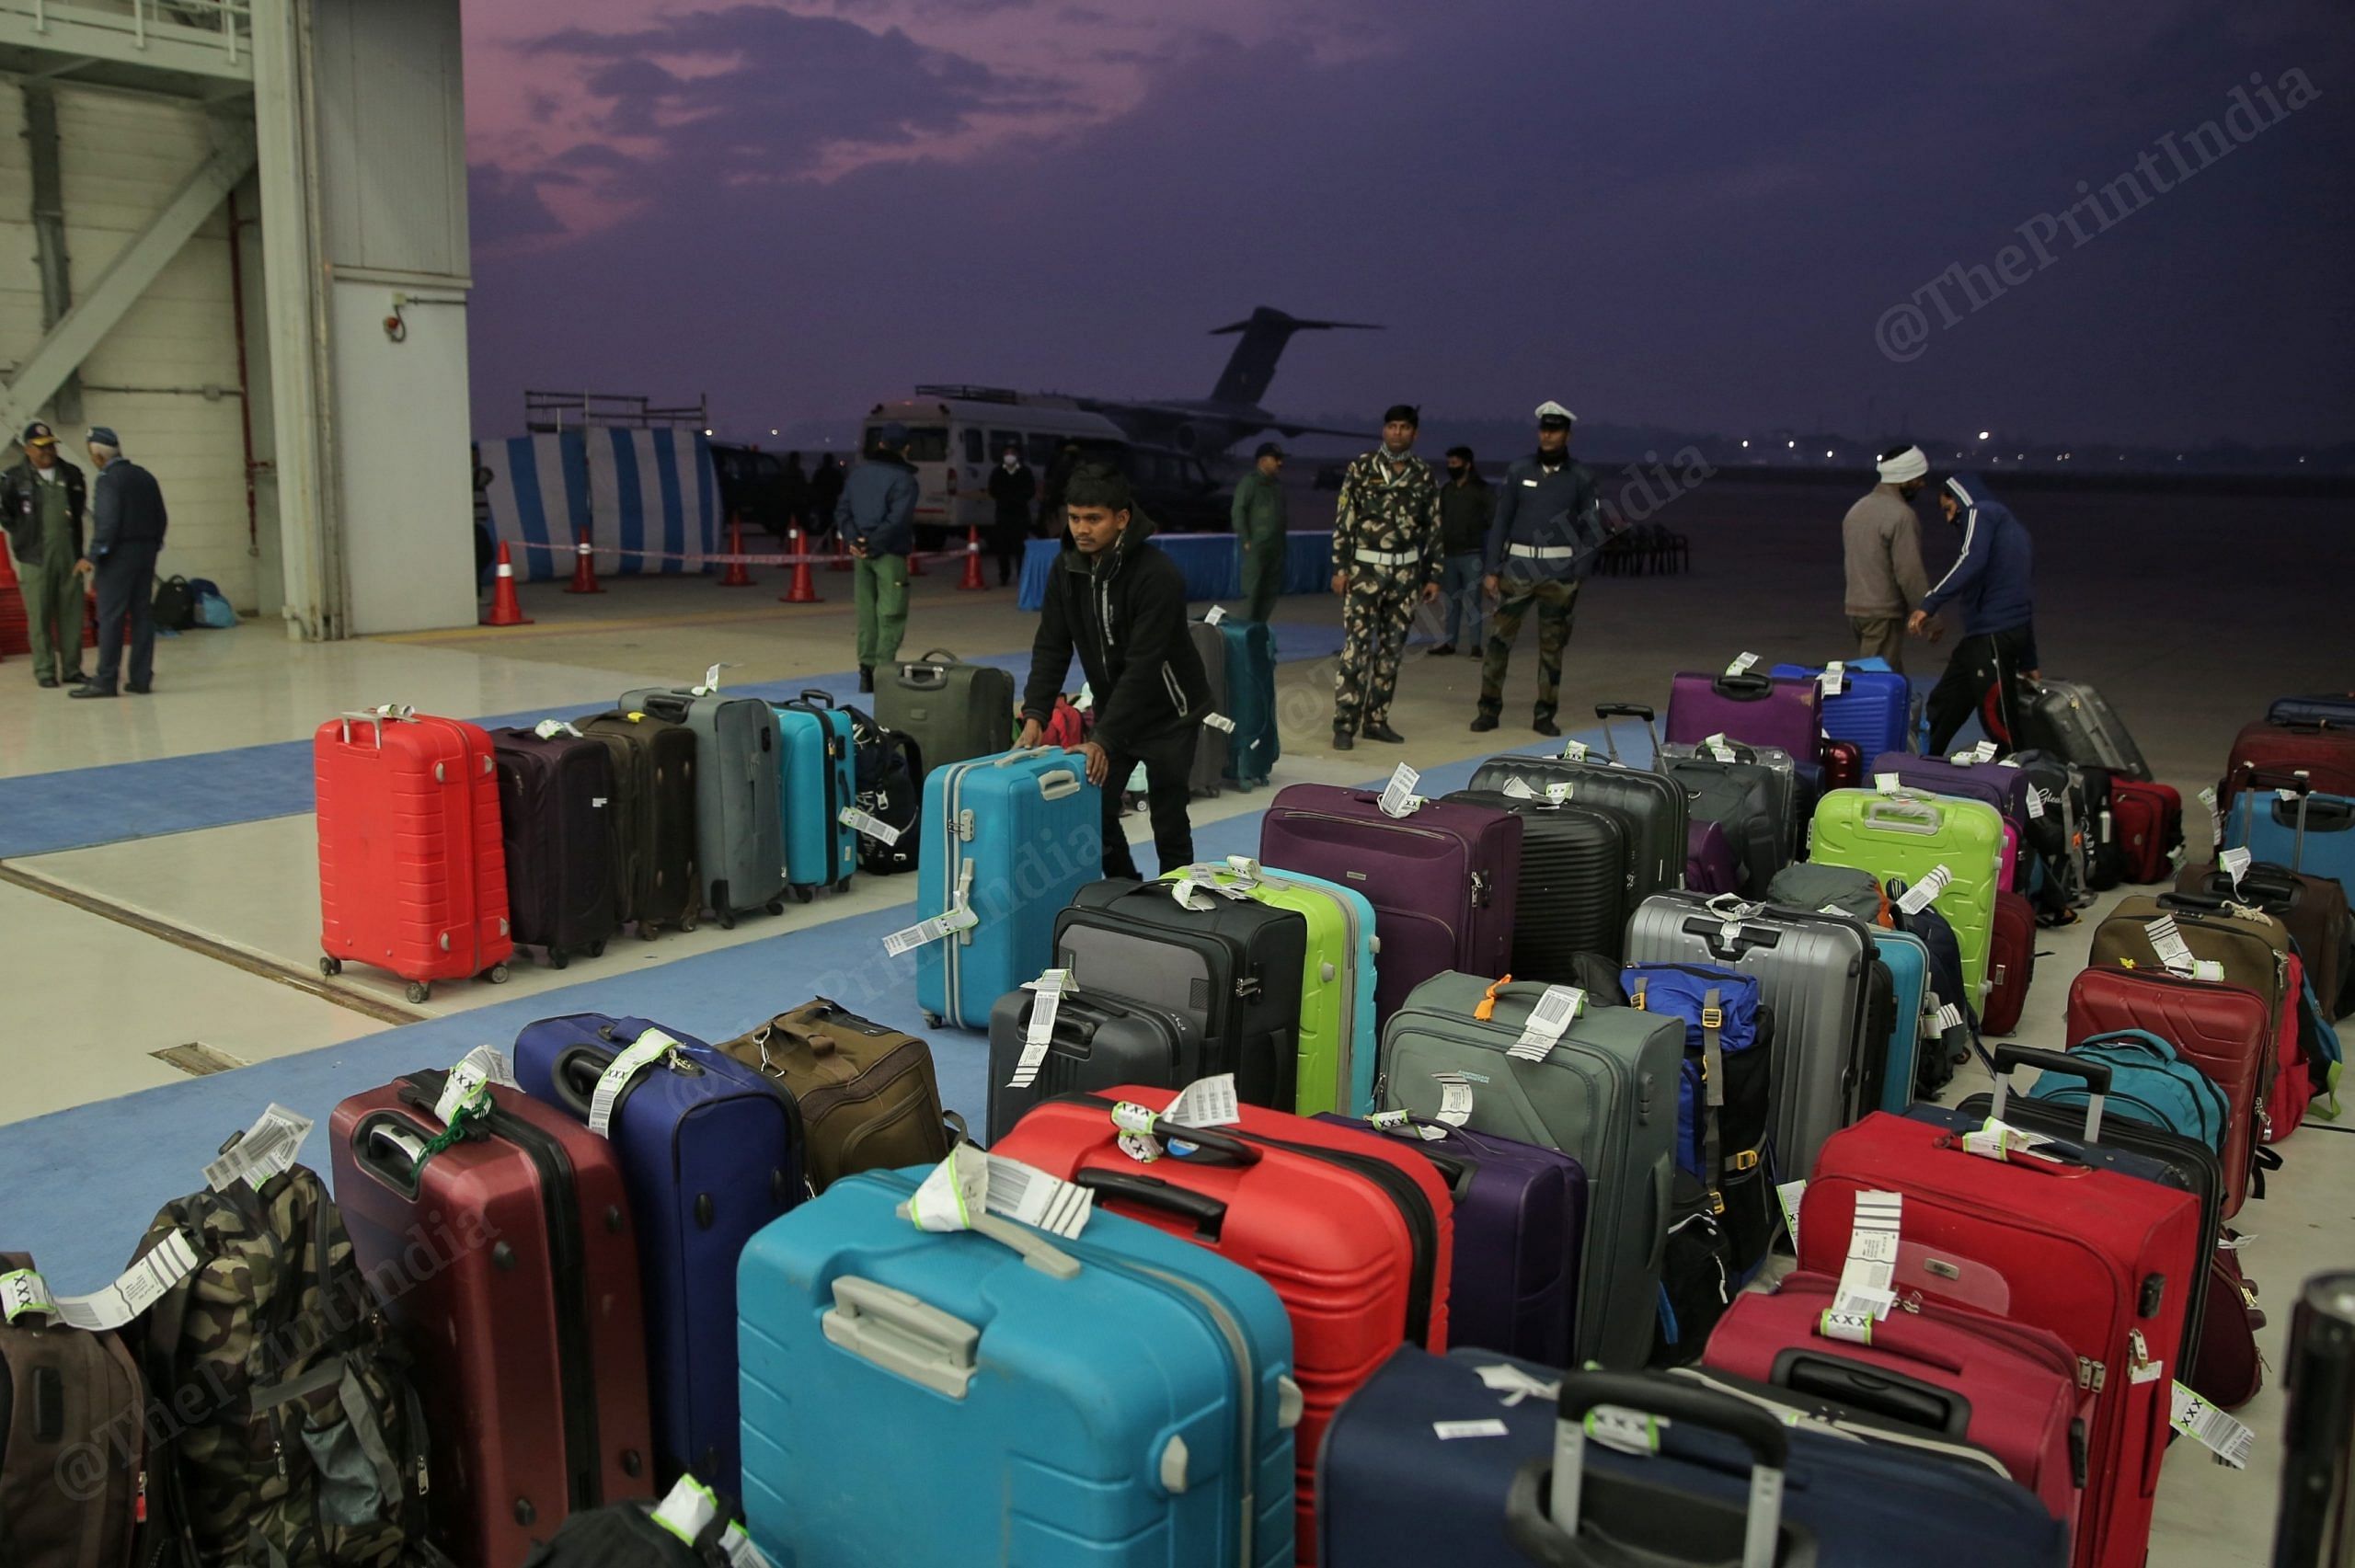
{"points": [[42, 503], [1120, 605], [127, 523], [1012, 489]]}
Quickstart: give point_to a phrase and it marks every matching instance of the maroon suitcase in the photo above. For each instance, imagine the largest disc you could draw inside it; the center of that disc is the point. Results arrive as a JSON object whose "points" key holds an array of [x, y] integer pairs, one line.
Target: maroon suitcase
{"points": [[509, 1264], [1444, 879], [1844, 765], [2146, 822], [2325, 754], [413, 869], [1961, 1376], [2011, 963]]}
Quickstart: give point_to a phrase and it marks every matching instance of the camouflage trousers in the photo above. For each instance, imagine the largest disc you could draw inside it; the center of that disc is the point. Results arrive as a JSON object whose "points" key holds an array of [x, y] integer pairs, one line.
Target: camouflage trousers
{"points": [[1554, 600], [1375, 613]]}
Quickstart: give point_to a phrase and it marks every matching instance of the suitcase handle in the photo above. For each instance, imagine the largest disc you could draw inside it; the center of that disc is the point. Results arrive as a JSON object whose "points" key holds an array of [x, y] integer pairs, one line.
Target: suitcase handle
{"points": [[374, 719], [391, 1149], [1554, 1539], [577, 1070], [1207, 1214], [1744, 688], [1905, 813], [1057, 784], [817, 699], [1876, 1391], [2298, 781], [669, 705], [2211, 903], [910, 1338], [1607, 711]]}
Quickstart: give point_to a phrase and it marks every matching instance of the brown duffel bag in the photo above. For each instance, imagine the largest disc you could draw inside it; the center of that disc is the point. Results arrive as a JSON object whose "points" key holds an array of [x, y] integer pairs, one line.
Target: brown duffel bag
{"points": [[868, 1096]]}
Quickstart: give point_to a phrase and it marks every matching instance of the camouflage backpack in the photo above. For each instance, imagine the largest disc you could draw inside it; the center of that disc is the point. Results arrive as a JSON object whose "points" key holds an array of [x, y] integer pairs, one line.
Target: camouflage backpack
{"points": [[296, 1440]]}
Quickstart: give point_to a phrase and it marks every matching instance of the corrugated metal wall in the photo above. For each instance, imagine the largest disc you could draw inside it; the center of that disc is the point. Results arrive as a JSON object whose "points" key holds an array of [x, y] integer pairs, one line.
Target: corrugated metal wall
{"points": [[122, 159]]}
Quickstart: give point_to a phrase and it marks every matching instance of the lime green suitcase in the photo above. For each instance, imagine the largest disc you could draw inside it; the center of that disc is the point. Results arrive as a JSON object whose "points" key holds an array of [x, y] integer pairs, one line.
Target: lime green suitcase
{"points": [[1337, 1035], [1909, 833]]}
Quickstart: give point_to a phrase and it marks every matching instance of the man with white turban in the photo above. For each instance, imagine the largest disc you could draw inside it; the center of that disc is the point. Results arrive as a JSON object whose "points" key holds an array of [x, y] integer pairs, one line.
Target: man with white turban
{"points": [[1883, 540]]}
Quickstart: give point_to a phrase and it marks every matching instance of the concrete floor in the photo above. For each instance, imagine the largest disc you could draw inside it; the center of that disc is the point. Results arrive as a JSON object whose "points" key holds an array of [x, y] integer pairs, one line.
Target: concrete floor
{"points": [[2190, 611]]}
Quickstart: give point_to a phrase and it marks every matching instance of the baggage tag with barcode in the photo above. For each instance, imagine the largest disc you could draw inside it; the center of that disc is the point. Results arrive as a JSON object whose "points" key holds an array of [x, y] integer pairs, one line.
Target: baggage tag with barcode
{"points": [[2166, 941], [1400, 1122], [2213, 1430], [1455, 1098], [1924, 893], [1574, 751], [268, 1148], [2235, 865], [1132, 1125], [1206, 1102], [710, 680], [908, 938], [2035, 802], [738, 1548], [1398, 795], [1872, 1256], [1788, 1195], [1040, 1034], [1449, 1431], [1218, 722], [953, 1192], [1217, 614], [468, 1082], [1887, 783], [1834, 679], [2000, 1142], [1517, 790], [1983, 752], [2216, 815], [1742, 665], [651, 1047], [1027, 1194], [1548, 1021], [874, 826], [549, 728], [1715, 746], [1627, 1431], [134, 1291], [1558, 792], [1948, 1017]]}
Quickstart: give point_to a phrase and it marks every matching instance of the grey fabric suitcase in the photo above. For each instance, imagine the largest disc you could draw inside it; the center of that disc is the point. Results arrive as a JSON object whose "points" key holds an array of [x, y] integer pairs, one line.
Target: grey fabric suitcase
{"points": [[1813, 970], [1211, 749], [1652, 802], [2077, 723], [956, 711], [1605, 1095], [739, 806]]}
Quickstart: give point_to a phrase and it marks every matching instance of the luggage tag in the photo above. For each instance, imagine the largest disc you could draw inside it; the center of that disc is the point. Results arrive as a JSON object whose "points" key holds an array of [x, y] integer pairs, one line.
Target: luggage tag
{"points": [[1216, 613], [1742, 665], [1448, 1431], [1041, 1034], [1872, 1257], [1188, 889], [1086, 698], [710, 682], [1218, 722], [964, 1191], [1548, 1021], [1834, 679], [1517, 790], [1557, 792], [738, 1548], [134, 1291], [2208, 969], [1574, 751], [1715, 746], [1887, 783], [1398, 797], [2213, 1430], [1455, 1098], [2035, 804], [1401, 1123], [690, 1509], [2166, 941], [875, 828], [469, 1083], [1983, 752], [266, 1149], [2006, 1144], [1924, 893], [651, 1047], [2235, 865], [1788, 1195], [2215, 817], [549, 728], [908, 938], [1516, 1384]]}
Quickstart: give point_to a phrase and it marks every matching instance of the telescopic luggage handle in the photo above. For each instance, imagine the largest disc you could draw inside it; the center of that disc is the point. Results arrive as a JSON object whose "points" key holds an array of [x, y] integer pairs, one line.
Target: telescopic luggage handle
{"points": [[2095, 1075], [1606, 712]]}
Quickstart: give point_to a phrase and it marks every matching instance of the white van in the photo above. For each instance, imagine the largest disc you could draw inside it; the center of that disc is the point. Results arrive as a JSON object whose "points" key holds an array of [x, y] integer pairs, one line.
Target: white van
{"points": [[955, 435]]}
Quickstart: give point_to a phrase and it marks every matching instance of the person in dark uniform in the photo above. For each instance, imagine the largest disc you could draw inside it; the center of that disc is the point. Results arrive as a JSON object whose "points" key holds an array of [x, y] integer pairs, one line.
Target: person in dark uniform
{"points": [[127, 523], [1386, 560], [42, 501], [1542, 545], [1465, 507], [1012, 487], [1260, 527], [825, 490]]}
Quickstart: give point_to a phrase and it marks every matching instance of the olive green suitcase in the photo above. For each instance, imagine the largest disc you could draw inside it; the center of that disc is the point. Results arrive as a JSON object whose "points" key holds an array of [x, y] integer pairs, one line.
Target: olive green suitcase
{"points": [[1908, 835]]}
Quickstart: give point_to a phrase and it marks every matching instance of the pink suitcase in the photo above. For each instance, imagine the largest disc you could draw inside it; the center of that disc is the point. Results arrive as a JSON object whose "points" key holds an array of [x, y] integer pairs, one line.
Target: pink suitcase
{"points": [[412, 866]]}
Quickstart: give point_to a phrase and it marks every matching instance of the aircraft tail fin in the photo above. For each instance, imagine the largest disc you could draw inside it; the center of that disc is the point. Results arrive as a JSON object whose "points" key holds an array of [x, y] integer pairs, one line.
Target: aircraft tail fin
{"points": [[1252, 366]]}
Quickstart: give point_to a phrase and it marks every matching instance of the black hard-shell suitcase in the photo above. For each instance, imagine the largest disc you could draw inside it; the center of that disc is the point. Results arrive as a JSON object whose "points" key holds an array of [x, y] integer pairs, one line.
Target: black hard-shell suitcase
{"points": [[652, 819], [1652, 802], [1099, 1040], [1232, 964], [555, 808], [1743, 798], [1573, 882], [1211, 742]]}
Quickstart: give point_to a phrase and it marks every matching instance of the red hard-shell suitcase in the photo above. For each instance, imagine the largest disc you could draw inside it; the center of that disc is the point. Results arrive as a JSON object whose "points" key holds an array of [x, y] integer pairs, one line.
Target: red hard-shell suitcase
{"points": [[1357, 1233], [509, 1263], [2325, 754], [1444, 879], [412, 872], [2222, 1030], [2146, 820], [2011, 964], [2001, 1386], [2107, 1262]]}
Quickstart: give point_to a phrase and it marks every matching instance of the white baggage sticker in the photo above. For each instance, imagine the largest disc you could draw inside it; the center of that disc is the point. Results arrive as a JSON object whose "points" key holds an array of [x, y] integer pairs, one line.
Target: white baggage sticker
{"points": [[1715, 746], [2035, 802], [1628, 1431], [2168, 941], [1983, 752], [134, 1291], [1872, 1256], [2000, 1142], [1217, 614], [2235, 865], [1519, 790], [1455, 1098], [1040, 1032], [1134, 1123], [1448, 1431], [690, 1509], [740, 1550], [1548, 1021], [1517, 1384], [1399, 794], [1788, 1195], [2215, 816], [1924, 893], [1574, 751], [908, 938], [549, 728], [1887, 783], [1742, 665], [1834, 679], [1206, 1102], [2208, 969], [956, 1190], [465, 1085], [1029, 1195], [874, 826], [1558, 792], [2211, 1428], [268, 1148], [1218, 722], [651, 1047], [1855, 1327]]}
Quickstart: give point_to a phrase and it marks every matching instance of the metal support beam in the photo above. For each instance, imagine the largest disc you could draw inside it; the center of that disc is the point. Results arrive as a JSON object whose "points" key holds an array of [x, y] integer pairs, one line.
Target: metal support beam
{"points": [[127, 276], [49, 234], [137, 35]]}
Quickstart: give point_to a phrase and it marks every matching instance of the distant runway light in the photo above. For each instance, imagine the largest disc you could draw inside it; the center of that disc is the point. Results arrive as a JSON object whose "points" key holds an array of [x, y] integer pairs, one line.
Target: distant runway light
{"points": [[1983, 435]]}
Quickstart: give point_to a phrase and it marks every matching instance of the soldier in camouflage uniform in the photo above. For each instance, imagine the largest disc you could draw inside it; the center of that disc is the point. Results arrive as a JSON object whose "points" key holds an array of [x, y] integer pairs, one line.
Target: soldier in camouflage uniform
{"points": [[1542, 544], [1385, 558]]}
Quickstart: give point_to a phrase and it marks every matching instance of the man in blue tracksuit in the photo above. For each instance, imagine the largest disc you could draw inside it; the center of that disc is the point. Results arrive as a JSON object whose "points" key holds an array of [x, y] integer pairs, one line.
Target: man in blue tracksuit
{"points": [[1542, 545], [875, 517], [1990, 583]]}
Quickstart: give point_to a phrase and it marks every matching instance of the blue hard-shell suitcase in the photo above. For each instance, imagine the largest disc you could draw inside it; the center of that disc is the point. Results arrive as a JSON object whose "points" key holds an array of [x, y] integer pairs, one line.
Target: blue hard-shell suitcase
{"points": [[935, 1400], [2312, 833], [1010, 837], [1520, 1235], [1252, 750], [1908, 966], [709, 1154], [1873, 708], [820, 776]]}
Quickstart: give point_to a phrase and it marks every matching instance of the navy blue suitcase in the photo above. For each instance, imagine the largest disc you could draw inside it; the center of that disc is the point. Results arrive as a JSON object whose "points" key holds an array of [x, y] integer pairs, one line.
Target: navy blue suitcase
{"points": [[1874, 707], [709, 1154], [1464, 1459], [2336, 709], [1520, 1235]]}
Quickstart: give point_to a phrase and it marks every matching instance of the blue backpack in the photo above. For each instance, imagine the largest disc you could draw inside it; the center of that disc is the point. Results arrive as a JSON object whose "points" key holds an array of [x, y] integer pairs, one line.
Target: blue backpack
{"points": [[2148, 1082], [1690, 993]]}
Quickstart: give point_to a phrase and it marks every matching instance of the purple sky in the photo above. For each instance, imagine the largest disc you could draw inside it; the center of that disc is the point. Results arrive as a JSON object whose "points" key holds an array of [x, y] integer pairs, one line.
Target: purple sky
{"points": [[1694, 212]]}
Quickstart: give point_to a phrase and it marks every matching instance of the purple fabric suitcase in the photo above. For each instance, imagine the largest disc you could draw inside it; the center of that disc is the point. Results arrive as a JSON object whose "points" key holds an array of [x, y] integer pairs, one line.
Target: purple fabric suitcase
{"points": [[2004, 788], [1444, 879], [1709, 865], [1760, 710], [1520, 1232]]}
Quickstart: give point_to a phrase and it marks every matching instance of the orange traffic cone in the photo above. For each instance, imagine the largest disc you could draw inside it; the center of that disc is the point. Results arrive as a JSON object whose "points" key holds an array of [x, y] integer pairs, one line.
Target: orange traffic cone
{"points": [[972, 577], [737, 576], [584, 568], [805, 587], [505, 610]]}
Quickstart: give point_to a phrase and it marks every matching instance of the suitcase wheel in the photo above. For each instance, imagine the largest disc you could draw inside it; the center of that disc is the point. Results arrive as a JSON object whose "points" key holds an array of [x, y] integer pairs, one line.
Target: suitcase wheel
{"points": [[597, 948], [497, 974], [931, 1019], [801, 894], [689, 923], [419, 991], [330, 967], [776, 906], [727, 921], [559, 958]]}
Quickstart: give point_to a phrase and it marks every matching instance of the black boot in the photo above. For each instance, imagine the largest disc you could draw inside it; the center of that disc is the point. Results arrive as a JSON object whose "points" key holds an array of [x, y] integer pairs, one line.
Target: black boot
{"points": [[1484, 723], [866, 678], [1544, 725], [1383, 732], [1343, 740]]}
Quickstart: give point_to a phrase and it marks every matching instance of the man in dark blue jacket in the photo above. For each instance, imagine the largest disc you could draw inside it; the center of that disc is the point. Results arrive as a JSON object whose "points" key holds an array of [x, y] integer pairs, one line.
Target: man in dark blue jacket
{"points": [[1990, 583], [1542, 545], [127, 523], [877, 518]]}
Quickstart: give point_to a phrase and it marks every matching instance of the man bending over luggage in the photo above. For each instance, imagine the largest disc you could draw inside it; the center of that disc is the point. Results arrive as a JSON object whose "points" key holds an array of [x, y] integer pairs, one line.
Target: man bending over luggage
{"points": [[1121, 604], [1989, 582]]}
